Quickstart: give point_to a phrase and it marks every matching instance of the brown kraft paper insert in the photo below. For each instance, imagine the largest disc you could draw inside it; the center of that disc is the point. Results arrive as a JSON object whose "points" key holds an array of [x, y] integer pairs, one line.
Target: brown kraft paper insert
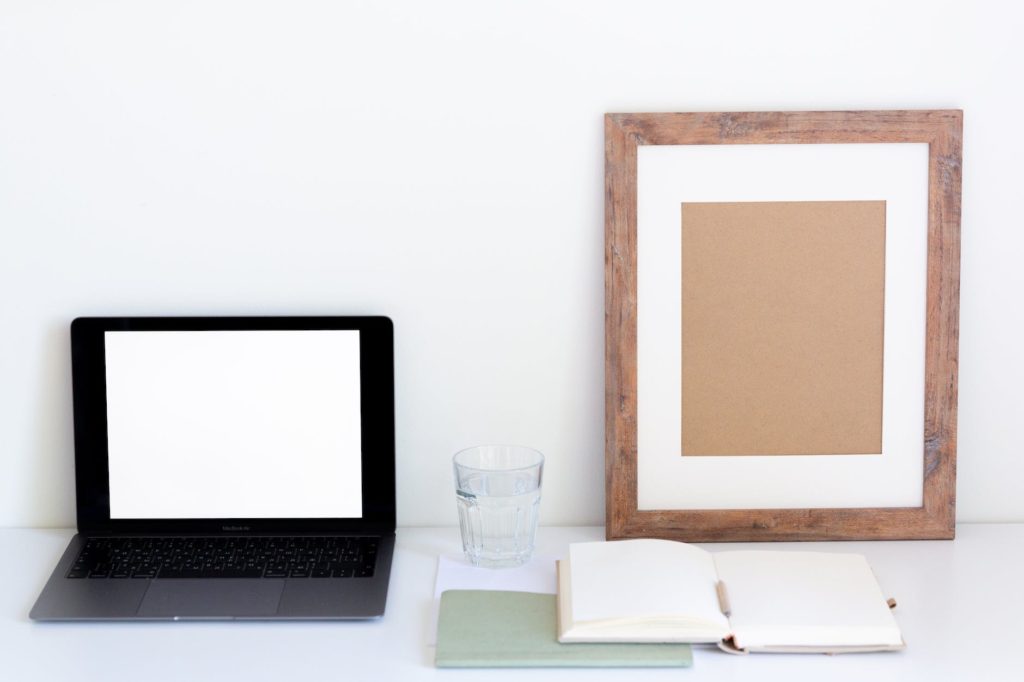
{"points": [[782, 327]]}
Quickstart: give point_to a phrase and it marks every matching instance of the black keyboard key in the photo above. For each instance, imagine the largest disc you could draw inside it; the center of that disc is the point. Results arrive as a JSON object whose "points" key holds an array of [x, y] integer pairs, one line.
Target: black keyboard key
{"points": [[78, 571], [276, 571], [100, 571], [145, 571], [121, 571], [299, 571], [343, 570]]}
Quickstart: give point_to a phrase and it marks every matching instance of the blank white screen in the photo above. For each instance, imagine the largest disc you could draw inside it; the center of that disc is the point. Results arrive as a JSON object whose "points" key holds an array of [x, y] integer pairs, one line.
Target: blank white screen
{"points": [[233, 424]]}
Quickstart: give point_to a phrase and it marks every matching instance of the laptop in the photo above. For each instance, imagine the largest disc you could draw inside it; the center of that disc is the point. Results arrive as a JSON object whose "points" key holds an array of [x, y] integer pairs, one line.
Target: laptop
{"points": [[235, 468]]}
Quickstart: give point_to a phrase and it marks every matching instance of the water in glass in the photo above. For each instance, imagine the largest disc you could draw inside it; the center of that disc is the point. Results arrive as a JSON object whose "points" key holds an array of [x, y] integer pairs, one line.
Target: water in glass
{"points": [[498, 510]]}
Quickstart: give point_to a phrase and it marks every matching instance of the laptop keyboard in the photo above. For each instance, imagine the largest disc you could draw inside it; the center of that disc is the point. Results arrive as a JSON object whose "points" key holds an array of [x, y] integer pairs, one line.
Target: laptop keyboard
{"points": [[226, 557]]}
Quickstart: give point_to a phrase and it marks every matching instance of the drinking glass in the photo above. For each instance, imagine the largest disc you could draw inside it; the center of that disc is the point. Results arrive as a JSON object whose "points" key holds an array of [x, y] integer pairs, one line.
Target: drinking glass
{"points": [[497, 488]]}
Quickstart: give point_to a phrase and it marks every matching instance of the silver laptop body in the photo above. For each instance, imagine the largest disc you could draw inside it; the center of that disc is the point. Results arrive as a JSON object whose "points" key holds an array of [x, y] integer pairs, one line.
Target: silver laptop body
{"points": [[229, 468]]}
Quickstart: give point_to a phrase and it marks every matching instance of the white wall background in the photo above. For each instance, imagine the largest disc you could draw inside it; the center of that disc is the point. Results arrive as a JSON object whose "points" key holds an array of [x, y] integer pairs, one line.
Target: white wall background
{"points": [[442, 163]]}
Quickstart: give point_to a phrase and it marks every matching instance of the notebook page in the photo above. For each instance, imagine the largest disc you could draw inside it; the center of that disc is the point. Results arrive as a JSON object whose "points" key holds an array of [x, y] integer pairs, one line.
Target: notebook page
{"points": [[643, 579], [805, 599]]}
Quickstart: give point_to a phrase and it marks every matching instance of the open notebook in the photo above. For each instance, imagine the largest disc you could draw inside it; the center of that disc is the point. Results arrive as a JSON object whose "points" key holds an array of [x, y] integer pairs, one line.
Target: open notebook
{"points": [[663, 591]]}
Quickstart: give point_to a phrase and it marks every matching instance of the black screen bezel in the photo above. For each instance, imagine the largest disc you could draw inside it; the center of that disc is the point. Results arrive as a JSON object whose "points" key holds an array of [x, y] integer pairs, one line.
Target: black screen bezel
{"points": [[376, 364]]}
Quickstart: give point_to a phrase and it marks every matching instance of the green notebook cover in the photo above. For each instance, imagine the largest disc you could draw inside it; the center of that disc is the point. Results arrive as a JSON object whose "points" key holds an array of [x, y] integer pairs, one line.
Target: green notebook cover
{"points": [[493, 629]]}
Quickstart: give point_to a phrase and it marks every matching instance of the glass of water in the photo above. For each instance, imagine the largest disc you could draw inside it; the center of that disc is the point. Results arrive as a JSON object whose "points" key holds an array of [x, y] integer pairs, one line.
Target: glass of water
{"points": [[498, 492]]}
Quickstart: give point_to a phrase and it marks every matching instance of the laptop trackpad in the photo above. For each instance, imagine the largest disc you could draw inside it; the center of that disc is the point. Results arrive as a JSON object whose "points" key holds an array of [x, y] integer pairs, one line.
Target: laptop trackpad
{"points": [[217, 598]]}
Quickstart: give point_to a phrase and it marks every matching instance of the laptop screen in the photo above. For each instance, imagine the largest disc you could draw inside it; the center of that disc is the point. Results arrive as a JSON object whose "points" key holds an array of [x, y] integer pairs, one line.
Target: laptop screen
{"points": [[229, 424], [234, 424]]}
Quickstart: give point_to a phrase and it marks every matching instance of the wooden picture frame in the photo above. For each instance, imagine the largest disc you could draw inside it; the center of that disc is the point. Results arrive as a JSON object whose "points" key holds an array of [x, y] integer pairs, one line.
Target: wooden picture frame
{"points": [[941, 130]]}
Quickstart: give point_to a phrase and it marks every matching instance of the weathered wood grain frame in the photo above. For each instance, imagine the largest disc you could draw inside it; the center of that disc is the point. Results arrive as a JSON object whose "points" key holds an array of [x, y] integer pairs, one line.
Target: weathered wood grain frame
{"points": [[942, 131]]}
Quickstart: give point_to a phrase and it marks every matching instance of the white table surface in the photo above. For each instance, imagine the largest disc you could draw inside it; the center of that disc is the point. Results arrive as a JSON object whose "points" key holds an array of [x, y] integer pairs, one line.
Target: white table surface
{"points": [[961, 609]]}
